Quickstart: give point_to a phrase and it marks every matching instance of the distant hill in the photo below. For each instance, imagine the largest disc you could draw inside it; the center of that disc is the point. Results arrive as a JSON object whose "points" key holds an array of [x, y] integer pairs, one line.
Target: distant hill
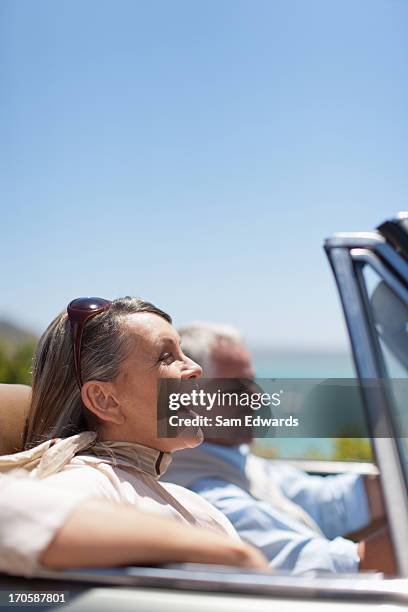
{"points": [[13, 337]]}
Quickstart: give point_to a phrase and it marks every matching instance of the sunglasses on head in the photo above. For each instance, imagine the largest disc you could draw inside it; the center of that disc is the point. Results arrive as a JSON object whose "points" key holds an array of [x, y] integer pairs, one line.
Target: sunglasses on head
{"points": [[79, 312]]}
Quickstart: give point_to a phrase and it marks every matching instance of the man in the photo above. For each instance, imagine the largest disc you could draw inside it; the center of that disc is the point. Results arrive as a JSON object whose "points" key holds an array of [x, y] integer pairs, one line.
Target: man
{"points": [[297, 520]]}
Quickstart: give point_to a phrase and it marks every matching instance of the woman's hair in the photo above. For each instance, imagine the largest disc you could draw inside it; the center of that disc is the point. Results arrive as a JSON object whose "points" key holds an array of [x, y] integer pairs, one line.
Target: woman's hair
{"points": [[57, 409]]}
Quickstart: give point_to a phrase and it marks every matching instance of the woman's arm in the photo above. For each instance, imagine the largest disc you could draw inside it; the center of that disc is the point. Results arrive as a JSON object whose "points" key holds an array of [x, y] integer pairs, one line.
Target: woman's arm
{"points": [[43, 526], [100, 533]]}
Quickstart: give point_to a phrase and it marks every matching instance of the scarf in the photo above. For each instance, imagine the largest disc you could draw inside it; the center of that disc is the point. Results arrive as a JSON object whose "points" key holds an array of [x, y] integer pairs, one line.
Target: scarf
{"points": [[52, 456]]}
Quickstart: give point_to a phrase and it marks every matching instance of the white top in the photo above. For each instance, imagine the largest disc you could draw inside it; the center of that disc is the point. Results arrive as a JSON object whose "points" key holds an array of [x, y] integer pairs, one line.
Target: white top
{"points": [[123, 483], [30, 516]]}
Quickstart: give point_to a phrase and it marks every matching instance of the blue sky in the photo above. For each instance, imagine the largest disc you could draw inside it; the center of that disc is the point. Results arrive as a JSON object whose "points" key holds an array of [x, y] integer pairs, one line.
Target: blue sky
{"points": [[197, 153]]}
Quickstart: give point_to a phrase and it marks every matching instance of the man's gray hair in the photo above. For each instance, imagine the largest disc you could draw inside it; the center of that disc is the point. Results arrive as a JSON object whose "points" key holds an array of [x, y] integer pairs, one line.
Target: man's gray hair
{"points": [[199, 338]]}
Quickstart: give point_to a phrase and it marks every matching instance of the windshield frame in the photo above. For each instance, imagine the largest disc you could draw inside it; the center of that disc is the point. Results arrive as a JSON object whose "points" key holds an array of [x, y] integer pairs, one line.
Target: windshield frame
{"points": [[348, 254]]}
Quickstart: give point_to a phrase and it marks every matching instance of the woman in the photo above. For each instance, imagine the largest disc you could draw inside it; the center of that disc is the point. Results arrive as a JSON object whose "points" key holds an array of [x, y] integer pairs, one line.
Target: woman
{"points": [[97, 368]]}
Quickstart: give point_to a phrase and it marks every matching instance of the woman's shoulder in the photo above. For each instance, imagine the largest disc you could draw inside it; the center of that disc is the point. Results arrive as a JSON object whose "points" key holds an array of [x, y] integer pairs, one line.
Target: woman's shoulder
{"points": [[89, 474]]}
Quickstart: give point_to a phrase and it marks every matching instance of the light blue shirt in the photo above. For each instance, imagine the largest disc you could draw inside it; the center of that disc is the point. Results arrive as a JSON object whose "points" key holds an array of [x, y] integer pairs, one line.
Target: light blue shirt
{"points": [[338, 504]]}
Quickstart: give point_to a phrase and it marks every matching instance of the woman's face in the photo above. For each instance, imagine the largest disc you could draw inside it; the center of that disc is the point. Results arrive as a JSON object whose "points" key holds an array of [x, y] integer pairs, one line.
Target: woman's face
{"points": [[154, 353]]}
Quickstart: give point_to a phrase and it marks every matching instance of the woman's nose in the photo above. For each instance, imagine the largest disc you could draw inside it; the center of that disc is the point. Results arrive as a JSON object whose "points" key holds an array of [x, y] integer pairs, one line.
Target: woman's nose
{"points": [[191, 369]]}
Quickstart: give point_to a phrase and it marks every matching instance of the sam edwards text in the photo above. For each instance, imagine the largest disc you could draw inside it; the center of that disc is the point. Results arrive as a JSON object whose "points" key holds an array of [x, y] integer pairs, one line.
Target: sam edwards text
{"points": [[247, 421]]}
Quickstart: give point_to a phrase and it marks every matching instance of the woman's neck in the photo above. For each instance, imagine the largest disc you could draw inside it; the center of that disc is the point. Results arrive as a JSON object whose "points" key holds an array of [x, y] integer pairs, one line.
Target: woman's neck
{"points": [[141, 457]]}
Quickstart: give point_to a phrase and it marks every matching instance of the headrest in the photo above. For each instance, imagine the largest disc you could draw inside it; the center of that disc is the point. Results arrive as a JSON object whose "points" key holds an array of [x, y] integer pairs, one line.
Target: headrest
{"points": [[14, 407]]}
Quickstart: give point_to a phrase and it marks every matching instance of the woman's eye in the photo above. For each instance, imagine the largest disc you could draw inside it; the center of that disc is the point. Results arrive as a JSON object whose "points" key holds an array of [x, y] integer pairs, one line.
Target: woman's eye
{"points": [[167, 358]]}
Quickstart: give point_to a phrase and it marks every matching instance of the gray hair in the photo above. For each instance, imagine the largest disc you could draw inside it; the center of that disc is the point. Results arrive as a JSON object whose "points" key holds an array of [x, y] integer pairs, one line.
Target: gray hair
{"points": [[57, 409], [198, 340]]}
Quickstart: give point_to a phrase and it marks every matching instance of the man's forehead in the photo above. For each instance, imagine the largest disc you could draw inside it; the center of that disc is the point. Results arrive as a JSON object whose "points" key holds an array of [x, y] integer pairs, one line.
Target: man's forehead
{"points": [[230, 352]]}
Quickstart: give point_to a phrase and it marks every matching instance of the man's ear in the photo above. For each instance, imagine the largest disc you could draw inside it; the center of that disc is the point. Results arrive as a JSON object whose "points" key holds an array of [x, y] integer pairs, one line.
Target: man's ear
{"points": [[100, 400]]}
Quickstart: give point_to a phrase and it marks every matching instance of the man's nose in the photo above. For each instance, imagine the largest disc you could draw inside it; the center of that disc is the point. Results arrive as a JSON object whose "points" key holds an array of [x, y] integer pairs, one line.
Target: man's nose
{"points": [[191, 369]]}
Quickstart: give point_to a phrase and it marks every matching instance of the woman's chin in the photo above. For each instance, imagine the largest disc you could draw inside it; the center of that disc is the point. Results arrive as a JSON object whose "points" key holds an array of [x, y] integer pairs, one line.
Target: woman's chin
{"points": [[189, 438]]}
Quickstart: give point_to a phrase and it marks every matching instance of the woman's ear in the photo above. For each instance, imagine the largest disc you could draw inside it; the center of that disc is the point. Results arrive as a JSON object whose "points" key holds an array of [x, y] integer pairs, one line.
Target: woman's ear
{"points": [[99, 399]]}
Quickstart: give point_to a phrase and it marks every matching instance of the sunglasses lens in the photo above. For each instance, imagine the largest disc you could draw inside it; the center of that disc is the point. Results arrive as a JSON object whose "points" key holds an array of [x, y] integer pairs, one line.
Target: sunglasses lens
{"points": [[79, 312], [88, 305]]}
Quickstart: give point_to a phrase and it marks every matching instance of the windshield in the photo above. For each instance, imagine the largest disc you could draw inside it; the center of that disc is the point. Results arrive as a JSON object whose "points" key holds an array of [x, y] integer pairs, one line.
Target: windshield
{"points": [[390, 319]]}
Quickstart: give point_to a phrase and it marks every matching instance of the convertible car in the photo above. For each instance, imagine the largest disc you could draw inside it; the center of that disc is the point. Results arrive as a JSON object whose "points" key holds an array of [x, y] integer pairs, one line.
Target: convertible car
{"points": [[371, 272]]}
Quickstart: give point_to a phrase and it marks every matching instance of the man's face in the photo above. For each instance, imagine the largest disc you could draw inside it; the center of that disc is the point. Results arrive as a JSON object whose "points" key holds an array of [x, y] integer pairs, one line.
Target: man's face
{"points": [[231, 361]]}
